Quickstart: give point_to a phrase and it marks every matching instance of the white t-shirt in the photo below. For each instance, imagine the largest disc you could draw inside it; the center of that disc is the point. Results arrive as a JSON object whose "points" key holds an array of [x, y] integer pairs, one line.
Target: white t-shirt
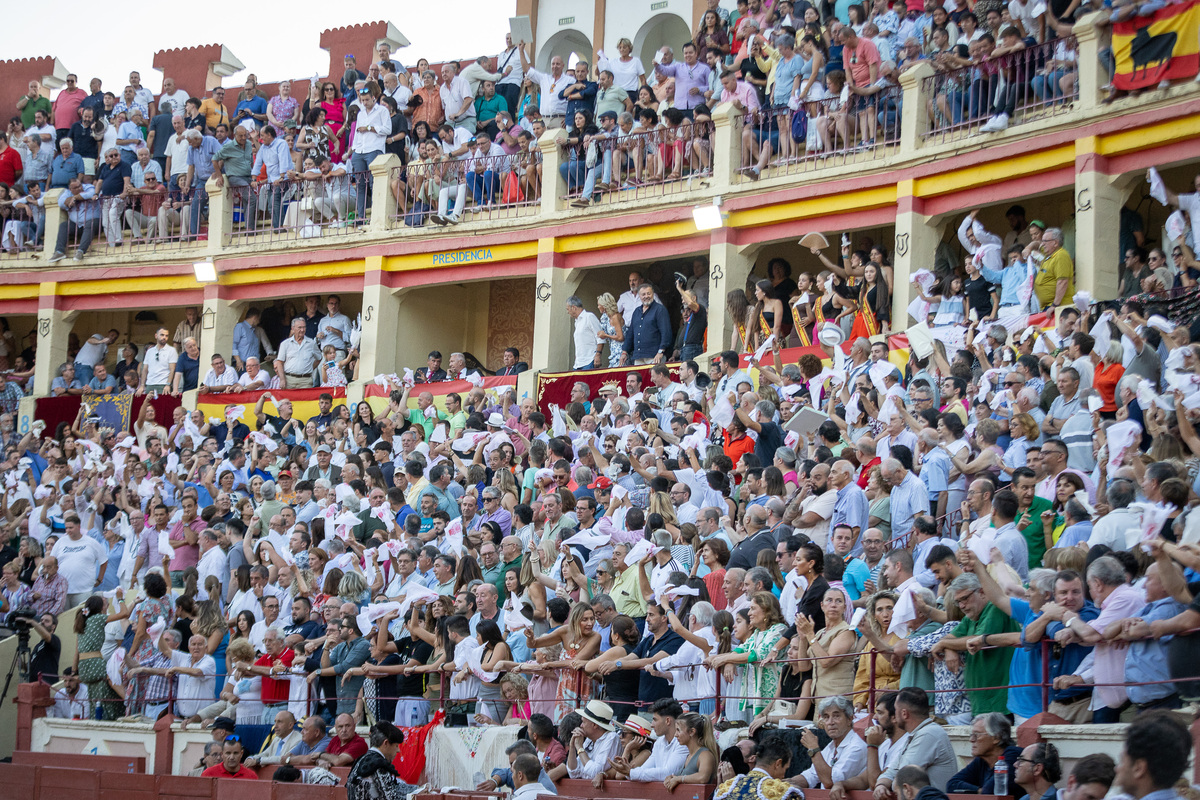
{"points": [[178, 152], [47, 128], [176, 100], [821, 505], [194, 693], [79, 562], [158, 364]]}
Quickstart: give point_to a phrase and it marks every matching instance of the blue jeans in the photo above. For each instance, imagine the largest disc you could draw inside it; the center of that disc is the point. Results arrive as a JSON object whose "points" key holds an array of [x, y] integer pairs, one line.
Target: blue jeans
{"points": [[1045, 87], [484, 186], [127, 156], [199, 204], [84, 373], [689, 352], [417, 214], [68, 229], [361, 163]]}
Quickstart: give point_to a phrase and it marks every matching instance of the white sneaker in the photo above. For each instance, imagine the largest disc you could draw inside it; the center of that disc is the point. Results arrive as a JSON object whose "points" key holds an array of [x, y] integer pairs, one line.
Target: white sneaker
{"points": [[995, 124]]}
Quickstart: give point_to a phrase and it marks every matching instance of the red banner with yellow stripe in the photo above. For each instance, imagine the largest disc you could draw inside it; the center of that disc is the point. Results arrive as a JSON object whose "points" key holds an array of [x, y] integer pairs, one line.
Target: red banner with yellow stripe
{"points": [[1160, 47], [377, 396], [304, 402]]}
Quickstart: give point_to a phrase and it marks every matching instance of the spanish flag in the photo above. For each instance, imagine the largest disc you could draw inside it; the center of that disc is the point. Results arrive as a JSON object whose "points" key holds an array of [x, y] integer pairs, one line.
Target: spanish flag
{"points": [[304, 403], [377, 396], [1162, 46]]}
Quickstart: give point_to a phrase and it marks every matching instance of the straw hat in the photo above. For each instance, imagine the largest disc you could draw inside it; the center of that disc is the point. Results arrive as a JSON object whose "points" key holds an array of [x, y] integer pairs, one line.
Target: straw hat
{"points": [[598, 712], [831, 335]]}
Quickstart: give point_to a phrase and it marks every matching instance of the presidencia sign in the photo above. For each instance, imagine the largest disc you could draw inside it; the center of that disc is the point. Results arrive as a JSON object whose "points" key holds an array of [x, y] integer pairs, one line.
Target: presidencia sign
{"points": [[455, 257]]}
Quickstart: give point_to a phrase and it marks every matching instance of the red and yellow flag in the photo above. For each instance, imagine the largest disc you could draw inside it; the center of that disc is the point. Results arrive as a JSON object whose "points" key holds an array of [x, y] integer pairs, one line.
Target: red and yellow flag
{"points": [[304, 402], [1162, 46], [377, 396]]}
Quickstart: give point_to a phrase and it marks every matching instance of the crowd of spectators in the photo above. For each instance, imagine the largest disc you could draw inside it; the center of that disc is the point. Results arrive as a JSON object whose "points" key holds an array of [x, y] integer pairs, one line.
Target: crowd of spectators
{"points": [[810, 79]]}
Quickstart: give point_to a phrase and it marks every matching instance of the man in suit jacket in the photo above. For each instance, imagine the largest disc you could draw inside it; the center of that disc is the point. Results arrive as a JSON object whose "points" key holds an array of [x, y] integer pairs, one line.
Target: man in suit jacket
{"points": [[323, 468], [283, 737], [512, 362]]}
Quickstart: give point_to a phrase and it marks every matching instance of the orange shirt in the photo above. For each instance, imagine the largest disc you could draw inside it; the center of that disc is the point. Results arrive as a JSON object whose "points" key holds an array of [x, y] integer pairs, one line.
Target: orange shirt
{"points": [[735, 448], [1104, 381]]}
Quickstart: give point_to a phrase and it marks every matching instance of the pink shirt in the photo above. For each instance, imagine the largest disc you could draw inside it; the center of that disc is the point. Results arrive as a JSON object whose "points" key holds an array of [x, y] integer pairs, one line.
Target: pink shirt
{"points": [[66, 107], [745, 93], [858, 61], [1124, 602]]}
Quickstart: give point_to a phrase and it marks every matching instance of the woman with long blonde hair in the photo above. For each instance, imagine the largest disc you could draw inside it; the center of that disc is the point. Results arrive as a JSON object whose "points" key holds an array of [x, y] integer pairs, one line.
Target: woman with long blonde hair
{"points": [[612, 327]]}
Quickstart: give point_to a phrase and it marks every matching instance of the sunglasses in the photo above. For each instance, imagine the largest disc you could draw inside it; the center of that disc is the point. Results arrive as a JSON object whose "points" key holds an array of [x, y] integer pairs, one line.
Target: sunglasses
{"points": [[233, 737]]}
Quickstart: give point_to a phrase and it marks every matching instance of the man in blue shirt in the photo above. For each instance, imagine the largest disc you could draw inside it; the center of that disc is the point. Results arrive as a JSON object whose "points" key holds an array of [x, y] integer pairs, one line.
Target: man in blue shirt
{"points": [[649, 335], [246, 343], [201, 151], [101, 383]]}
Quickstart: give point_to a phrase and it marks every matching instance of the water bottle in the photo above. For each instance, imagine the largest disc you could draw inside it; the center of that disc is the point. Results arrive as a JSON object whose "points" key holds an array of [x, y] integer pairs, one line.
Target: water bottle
{"points": [[1000, 779]]}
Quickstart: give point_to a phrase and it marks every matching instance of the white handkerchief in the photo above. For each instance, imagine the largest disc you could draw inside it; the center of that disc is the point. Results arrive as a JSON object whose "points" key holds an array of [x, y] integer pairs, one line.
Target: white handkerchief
{"points": [[1094, 403], [164, 545], [1160, 322], [764, 348], [1177, 226], [640, 550], [589, 540], [515, 621], [1121, 437], [439, 435], [1158, 189], [619, 491]]}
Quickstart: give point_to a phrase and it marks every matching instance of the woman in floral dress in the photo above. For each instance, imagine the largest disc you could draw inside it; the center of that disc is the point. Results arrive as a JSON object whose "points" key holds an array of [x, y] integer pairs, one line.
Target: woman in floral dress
{"points": [[762, 680], [157, 606], [580, 642]]}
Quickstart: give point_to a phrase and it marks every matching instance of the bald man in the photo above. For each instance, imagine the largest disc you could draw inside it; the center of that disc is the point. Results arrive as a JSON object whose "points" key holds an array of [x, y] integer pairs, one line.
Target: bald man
{"points": [[283, 738], [817, 499], [755, 536]]}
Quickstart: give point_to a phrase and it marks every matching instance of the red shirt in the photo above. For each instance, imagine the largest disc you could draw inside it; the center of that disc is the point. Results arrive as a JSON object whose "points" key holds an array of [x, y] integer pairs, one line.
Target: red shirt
{"points": [[219, 771], [66, 107], [276, 691], [10, 162], [736, 448], [356, 748], [865, 475]]}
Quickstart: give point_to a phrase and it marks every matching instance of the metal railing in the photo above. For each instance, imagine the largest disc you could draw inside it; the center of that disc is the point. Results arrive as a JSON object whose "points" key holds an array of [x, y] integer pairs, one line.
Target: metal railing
{"points": [[655, 163], [304, 205], [1029, 84], [822, 133], [447, 190]]}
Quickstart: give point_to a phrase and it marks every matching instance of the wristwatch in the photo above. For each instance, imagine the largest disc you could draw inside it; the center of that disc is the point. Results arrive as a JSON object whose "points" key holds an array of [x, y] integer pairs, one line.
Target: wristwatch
{"points": [[812, 751], [618, 664]]}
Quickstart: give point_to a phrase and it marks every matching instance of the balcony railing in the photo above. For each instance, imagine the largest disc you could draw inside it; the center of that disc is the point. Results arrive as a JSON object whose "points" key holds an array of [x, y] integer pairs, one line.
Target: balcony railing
{"points": [[1029, 84], [304, 206], [823, 133], [634, 166], [929, 115], [447, 191]]}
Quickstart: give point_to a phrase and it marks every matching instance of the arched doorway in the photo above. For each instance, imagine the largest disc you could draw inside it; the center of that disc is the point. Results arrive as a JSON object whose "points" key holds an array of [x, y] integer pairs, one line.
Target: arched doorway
{"points": [[659, 30], [562, 44]]}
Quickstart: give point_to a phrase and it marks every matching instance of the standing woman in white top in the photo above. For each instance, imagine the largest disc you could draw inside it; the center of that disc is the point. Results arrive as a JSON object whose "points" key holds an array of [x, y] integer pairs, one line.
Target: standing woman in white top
{"points": [[628, 72]]}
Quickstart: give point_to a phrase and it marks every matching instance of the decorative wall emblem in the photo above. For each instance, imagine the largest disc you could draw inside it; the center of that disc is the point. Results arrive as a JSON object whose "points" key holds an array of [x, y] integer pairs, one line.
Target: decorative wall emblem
{"points": [[1083, 200], [44, 327], [716, 272], [543, 291], [901, 247]]}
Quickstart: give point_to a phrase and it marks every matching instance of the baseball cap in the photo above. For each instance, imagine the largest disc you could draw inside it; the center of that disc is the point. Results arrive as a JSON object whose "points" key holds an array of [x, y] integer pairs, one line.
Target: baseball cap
{"points": [[601, 483], [287, 472], [324, 449], [610, 114], [223, 724]]}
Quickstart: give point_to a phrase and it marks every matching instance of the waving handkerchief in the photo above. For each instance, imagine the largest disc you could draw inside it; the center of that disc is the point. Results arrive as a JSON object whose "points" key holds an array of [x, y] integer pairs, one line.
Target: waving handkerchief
{"points": [[1161, 323], [671, 592], [126, 444], [155, 631], [381, 381], [345, 562], [409, 378], [356, 333], [640, 550], [414, 593], [981, 544], [347, 518], [558, 428], [468, 441], [384, 514], [906, 607], [235, 412], [439, 435], [454, 536], [1121, 437], [1176, 226], [589, 540], [878, 371], [474, 378], [764, 348], [515, 621], [1095, 403], [722, 412], [1146, 393], [263, 440], [1158, 189]]}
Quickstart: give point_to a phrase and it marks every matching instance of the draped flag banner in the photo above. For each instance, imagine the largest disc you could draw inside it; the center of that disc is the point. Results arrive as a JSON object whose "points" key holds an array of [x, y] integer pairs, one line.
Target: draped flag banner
{"points": [[117, 411], [555, 387], [1160, 47], [377, 396], [304, 403]]}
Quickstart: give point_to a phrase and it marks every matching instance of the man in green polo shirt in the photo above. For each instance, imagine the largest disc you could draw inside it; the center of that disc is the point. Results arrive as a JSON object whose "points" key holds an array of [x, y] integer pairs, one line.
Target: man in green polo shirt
{"points": [[985, 665], [1029, 513], [511, 555], [626, 591], [425, 414]]}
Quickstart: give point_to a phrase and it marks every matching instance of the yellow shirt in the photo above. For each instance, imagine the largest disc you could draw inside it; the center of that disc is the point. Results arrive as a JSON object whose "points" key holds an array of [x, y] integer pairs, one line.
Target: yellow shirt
{"points": [[214, 113], [1056, 267], [627, 593]]}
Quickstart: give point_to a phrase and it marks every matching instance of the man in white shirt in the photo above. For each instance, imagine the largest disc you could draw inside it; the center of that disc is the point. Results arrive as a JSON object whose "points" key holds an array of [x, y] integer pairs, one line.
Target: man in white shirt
{"points": [[509, 64], [197, 673], [219, 378], [334, 327], [594, 743], [553, 107], [373, 126], [213, 561], [270, 619], [177, 151], [176, 97], [458, 98], [71, 701], [588, 345], [667, 756], [81, 560], [158, 366], [846, 754]]}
